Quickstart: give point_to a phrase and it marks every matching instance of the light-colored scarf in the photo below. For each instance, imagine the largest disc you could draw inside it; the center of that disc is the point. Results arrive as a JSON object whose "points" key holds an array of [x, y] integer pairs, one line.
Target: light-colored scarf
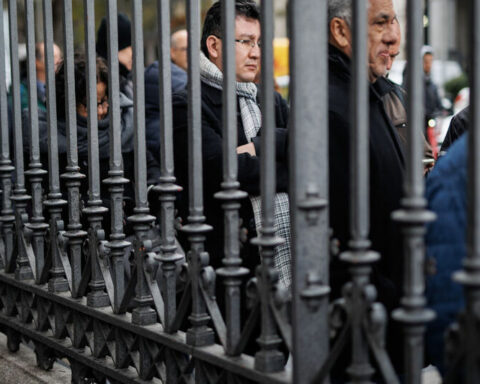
{"points": [[252, 122]]}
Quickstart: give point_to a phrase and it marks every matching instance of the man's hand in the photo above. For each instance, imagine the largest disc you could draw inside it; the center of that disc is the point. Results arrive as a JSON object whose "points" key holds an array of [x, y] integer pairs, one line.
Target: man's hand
{"points": [[247, 148]]}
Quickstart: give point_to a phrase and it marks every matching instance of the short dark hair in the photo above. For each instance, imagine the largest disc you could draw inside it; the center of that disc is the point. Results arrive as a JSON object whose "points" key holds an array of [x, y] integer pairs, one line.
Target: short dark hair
{"points": [[213, 19], [80, 82]]}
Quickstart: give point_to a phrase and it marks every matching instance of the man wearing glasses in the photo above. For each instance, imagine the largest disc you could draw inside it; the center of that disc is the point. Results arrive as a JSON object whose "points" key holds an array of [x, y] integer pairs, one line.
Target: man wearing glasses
{"points": [[248, 51]]}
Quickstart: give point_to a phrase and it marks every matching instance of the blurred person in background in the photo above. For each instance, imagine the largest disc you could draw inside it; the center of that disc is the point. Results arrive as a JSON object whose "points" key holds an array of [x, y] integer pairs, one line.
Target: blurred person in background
{"points": [[458, 125], [41, 72], [433, 104], [125, 52], [446, 248], [178, 67], [103, 122], [178, 48]]}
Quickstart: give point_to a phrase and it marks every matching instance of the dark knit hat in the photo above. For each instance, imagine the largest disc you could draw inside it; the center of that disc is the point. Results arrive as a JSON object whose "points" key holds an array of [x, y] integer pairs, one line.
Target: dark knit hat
{"points": [[124, 35]]}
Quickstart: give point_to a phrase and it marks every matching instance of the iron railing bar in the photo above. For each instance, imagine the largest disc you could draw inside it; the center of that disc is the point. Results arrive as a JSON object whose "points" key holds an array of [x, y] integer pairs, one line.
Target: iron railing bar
{"points": [[97, 297], [308, 135], [199, 334], [72, 176], [359, 159], [468, 277], [268, 358], [20, 191], [167, 187], [116, 180], [212, 355], [55, 202], [53, 164], [6, 169], [143, 313], [413, 216], [231, 272], [32, 92], [472, 264], [36, 173], [19, 196], [94, 198], [359, 256]]}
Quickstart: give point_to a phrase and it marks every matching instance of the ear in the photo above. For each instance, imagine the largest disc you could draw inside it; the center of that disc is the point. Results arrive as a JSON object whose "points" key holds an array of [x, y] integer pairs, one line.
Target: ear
{"points": [[213, 46], [340, 35]]}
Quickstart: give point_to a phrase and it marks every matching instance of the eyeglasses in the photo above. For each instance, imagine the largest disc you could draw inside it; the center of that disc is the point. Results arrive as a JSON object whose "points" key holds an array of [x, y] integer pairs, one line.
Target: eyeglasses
{"points": [[249, 43], [103, 104], [245, 43]]}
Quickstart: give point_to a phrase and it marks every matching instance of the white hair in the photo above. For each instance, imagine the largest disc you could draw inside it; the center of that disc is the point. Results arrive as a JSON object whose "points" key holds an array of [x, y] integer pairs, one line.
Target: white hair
{"points": [[341, 9]]}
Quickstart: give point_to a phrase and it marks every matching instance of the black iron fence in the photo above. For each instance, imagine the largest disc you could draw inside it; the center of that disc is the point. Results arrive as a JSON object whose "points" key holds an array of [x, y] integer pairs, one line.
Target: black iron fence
{"points": [[67, 286]]}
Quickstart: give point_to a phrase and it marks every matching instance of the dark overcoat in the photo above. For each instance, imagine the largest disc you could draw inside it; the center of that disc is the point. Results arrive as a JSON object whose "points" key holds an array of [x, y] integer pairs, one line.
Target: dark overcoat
{"points": [[212, 157], [386, 168]]}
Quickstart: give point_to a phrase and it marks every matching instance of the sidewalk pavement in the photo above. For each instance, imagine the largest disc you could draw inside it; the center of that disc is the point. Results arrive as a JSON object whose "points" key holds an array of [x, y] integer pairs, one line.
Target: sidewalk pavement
{"points": [[21, 368]]}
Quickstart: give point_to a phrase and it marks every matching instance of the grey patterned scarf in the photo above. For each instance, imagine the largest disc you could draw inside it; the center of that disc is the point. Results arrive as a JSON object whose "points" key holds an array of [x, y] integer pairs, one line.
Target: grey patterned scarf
{"points": [[252, 121]]}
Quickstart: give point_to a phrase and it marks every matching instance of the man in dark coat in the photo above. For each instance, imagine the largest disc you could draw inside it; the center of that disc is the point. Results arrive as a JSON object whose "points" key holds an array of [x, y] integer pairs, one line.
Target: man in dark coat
{"points": [[386, 154], [247, 35], [178, 67], [125, 52], [458, 125], [446, 244]]}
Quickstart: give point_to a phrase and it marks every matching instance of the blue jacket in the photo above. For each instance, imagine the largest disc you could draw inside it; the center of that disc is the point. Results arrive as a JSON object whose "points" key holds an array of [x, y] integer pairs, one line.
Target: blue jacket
{"points": [[446, 238], [152, 110]]}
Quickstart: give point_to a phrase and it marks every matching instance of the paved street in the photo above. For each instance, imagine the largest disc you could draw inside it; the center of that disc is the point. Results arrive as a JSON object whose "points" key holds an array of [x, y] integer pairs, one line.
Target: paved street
{"points": [[20, 368]]}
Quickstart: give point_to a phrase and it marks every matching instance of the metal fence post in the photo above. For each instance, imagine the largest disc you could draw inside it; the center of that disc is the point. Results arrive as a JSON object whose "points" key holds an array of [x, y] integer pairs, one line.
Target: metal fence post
{"points": [[200, 333], [230, 195], [144, 313], [116, 179], [97, 296], [309, 186], [72, 176], [7, 217], [55, 203], [413, 216], [19, 196], [36, 173], [166, 188], [359, 257], [469, 276], [268, 358]]}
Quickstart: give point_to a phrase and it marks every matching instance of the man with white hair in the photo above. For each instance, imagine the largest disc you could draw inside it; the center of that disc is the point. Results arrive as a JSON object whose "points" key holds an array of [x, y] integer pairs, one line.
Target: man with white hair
{"points": [[385, 153]]}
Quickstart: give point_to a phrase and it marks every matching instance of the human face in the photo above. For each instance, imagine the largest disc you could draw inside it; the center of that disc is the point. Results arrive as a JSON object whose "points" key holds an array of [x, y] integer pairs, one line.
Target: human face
{"points": [[102, 103], [57, 56], [247, 58], [394, 50], [125, 57], [178, 51], [427, 63], [382, 34]]}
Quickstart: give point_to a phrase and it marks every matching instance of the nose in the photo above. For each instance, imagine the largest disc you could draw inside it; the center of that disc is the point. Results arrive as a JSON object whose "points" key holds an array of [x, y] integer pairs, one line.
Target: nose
{"points": [[255, 51], [390, 37]]}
